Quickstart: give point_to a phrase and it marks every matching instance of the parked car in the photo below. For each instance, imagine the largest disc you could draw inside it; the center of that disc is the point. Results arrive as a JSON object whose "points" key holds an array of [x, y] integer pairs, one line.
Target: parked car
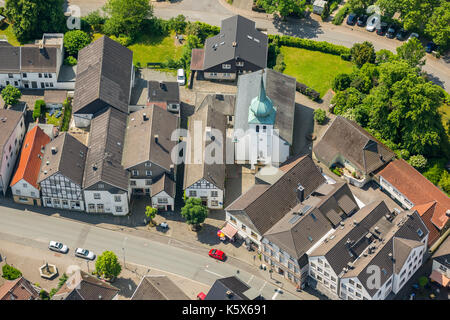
{"points": [[217, 254], [181, 78], [382, 28], [201, 296], [391, 32], [430, 47], [373, 23], [401, 34], [413, 35], [351, 19], [58, 247], [84, 253], [361, 20]]}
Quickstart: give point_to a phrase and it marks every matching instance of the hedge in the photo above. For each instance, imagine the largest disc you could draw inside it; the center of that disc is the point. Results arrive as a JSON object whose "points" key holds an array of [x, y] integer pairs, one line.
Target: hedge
{"points": [[307, 91], [67, 114], [39, 109], [321, 46], [340, 15]]}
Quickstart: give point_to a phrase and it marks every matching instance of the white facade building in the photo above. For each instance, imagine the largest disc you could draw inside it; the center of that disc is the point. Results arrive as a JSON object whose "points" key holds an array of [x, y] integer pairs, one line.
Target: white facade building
{"points": [[211, 195], [106, 202]]}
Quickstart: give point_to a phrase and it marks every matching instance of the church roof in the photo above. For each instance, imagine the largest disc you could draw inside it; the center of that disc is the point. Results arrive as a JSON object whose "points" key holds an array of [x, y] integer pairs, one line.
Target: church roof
{"points": [[261, 109]]}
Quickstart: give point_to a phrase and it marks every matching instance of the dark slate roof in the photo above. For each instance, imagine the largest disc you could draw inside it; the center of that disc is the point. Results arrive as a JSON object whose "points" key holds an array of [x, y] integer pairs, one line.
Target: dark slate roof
{"points": [[162, 91], [69, 159], [9, 59], [279, 88], [34, 59], [236, 29], [106, 139], [158, 288], [140, 143], [215, 172], [348, 139], [165, 183], [402, 248], [83, 286], [220, 288], [9, 119], [279, 198], [442, 255], [103, 77]]}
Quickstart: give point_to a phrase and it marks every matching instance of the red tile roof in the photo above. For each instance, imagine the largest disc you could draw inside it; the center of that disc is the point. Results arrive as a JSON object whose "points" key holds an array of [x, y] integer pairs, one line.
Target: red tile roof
{"points": [[426, 211], [30, 158], [197, 59], [19, 289], [417, 189]]}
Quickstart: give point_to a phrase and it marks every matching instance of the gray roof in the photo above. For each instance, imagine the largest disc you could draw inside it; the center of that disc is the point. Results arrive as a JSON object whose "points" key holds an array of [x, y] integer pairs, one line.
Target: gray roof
{"points": [[442, 255], [223, 103], [349, 140], [106, 139], [164, 91], [140, 143], [158, 288], [268, 206], [34, 59], [103, 77], [279, 88], [9, 120], [69, 159], [220, 288], [9, 59], [215, 172], [165, 183], [236, 29], [402, 248]]}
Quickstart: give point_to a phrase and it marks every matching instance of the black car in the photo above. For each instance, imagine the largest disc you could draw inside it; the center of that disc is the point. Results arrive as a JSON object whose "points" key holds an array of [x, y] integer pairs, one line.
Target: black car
{"points": [[382, 28], [351, 19], [391, 32], [401, 35], [430, 47], [362, 20]]}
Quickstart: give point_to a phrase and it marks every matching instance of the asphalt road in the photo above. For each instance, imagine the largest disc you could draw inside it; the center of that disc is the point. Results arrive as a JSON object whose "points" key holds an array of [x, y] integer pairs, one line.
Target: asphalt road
{"points": [[36, 230]]}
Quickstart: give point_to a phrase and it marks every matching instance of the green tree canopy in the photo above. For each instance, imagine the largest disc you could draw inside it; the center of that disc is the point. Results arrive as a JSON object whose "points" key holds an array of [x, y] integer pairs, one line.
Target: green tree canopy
{"points": [[284, 7], [10, 273], [363, 53], [11, 95], [438, 26], [31, 19], [76, 40], [412, 52], [150, 212], [341, 82], [194, 211], [108, 265]]}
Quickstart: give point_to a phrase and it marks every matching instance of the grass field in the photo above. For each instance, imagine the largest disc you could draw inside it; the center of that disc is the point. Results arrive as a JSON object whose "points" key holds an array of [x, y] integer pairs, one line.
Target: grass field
{"points": [[314, 68], [6, 30]]}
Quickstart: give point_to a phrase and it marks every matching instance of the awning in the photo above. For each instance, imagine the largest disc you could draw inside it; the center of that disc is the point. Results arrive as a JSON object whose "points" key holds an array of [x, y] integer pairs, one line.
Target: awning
{"points": [[440, 278], [229, 230]]}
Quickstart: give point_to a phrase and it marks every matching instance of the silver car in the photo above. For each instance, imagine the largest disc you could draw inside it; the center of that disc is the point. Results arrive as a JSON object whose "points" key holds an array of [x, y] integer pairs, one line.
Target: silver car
{"points": [[58, 247], [84, 253]]}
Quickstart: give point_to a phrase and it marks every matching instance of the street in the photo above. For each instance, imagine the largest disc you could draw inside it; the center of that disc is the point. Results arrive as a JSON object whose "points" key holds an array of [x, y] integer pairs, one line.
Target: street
{"points": [[36, 230]]}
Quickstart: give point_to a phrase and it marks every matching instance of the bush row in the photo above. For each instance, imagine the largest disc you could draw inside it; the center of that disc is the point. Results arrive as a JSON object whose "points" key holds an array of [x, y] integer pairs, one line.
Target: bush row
{"points": [[339, 17], [321, 46], [67, 114], [307, 91], [39, 109]]}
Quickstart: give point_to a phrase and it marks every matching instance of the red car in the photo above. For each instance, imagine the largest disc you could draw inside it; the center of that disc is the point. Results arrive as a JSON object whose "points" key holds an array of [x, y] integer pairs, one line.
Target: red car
{"points": [[217, 254]]}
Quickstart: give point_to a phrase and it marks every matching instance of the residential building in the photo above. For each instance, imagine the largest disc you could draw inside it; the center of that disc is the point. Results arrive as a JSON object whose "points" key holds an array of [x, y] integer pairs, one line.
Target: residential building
{"points": [[83, 286], [164, 94], [223, 103], [349, 146], [286, 244], [61, 173], [19, 289], [264, 118], [204, 172], [34, 66], [238, 48], [370, 257], [105, 180], [158, 288], [441, 264], [407, 186], [105, 77], [24, 184], [264, 205], [163, 193], [232, 288], [12, 131], [319, 6], [148, 148]]}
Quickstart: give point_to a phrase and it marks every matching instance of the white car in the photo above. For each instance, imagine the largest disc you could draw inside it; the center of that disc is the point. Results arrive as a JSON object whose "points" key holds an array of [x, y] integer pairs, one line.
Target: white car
{"points": [[413, 35], [85, 254], [181, 77], [58, 246], [372, 23]]}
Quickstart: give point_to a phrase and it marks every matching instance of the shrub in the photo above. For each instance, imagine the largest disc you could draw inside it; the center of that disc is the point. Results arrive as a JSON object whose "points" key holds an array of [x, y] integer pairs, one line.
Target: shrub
{"points": [[346, 56], [122, 39], [39, 109], [70, 61], [67, 114], [336, 171], [76, 40], [308, 44], [444, 183], [44, 295], [280, 65], [403, 154], [320, 116], [10, 273], [11, 95], [177, 24], [418, 161], [94, 20], [339, 17], [341, 82]]}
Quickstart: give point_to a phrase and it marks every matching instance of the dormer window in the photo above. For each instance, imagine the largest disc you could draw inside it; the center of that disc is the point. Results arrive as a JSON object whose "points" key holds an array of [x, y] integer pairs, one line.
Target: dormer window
{"points": [[226, 66]]}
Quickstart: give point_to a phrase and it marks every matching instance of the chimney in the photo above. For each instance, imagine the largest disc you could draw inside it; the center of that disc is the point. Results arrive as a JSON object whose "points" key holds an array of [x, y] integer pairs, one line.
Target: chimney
{"points": [[156, 138], [54, 150], [172, 167], [144, 117], [447, 213], [300, 193], [47, 163], [234, 44]]}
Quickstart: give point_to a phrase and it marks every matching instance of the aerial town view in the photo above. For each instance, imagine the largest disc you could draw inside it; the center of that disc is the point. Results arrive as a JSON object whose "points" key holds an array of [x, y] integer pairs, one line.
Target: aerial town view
{"points": [[224, 150]]}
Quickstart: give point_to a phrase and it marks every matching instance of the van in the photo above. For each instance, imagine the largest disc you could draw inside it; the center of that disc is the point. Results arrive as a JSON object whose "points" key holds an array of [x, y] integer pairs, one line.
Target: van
{"points": [[181, 78]]}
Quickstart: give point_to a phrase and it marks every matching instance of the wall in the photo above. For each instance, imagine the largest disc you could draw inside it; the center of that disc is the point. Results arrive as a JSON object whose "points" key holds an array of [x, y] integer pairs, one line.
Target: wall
{"points": [[203, 188], [82, 120], [441, 268], [22, 189], [244, 233], [414, 261], [163, 196], [395, 194], [108, 201], [320, 270], [58, 188]]}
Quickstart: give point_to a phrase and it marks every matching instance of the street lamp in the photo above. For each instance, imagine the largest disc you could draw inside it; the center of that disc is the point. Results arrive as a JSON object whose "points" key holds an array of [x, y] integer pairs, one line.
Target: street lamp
{"points": [[123, 250]]}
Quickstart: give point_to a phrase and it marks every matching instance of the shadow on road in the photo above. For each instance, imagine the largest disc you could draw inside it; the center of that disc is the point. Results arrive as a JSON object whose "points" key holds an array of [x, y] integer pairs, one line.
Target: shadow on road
{"points": [[306, 28]]}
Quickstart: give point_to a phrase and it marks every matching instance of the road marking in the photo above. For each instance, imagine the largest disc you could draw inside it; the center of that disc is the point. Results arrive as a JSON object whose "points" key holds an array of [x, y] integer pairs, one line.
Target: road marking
{"points": [[219, 275], [262, 287], [276, 293], [251, 278]]}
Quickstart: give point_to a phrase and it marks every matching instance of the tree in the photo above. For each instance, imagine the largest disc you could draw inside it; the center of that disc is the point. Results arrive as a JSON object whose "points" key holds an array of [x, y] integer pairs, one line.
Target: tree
{"points": [[10, 273], [30, 19], [320, 116], [418, 161], [412, 52], [359, 6], [11, 95], [76, 40], [43, 295], [150, 213], [383, 56], [284, 7], [444, 183], [95, 20], [438, 26], [126, 16], [178, 24], [363, 53], [108, 265], [341, 82], [194, 212]]}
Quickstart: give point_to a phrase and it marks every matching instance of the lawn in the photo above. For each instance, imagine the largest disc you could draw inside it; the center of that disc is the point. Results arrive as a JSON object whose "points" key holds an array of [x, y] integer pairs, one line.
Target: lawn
{"points": [[6, 30], [52, 119], [314, 68]]}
